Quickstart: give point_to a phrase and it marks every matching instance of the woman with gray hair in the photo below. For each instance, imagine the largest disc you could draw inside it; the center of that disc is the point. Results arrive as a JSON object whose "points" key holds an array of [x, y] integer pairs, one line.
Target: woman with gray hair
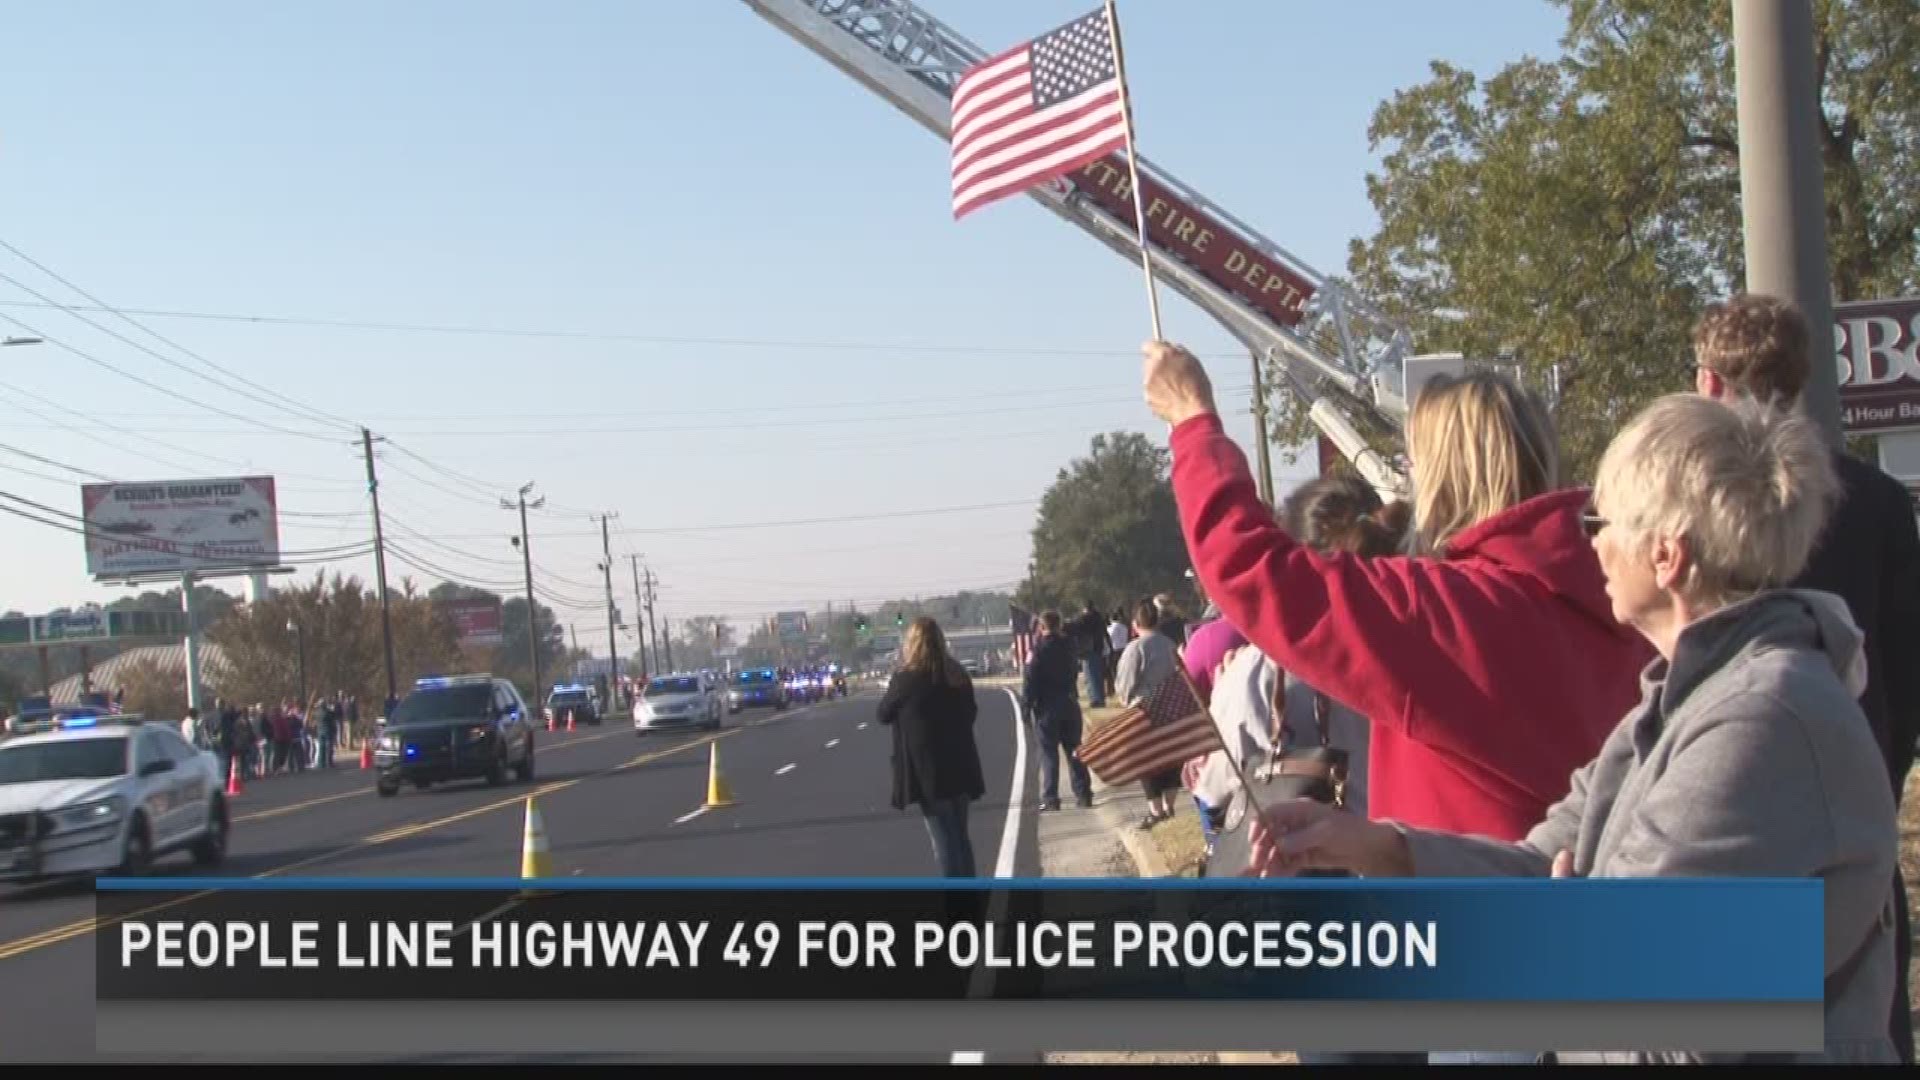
{"points": [[1742, 758]]}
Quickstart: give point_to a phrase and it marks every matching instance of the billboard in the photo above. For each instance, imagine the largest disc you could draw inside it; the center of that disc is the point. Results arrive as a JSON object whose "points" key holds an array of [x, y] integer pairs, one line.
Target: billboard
{"points": [[478, 620], [174, 526], [1875, 343]]}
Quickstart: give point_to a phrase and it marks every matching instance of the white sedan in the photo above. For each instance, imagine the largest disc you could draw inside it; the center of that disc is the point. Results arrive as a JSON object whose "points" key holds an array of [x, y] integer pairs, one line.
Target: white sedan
{"points": [[672, 702], [89, 795]]}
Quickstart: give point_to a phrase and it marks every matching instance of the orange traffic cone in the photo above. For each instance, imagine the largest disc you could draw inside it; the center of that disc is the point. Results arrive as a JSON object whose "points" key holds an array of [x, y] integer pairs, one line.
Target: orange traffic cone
{"points": [[551, 720], [569, 720], [366, 755], [233, 777]]}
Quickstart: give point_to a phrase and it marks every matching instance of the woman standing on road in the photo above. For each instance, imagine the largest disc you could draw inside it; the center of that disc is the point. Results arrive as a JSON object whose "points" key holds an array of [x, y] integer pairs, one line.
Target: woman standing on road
{"points": [[936, 765]]}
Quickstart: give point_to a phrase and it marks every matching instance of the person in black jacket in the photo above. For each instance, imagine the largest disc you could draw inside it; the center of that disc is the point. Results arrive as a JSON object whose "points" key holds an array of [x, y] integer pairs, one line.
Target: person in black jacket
{"points": [[936, 764], [1869, 554], [1052, 701]]}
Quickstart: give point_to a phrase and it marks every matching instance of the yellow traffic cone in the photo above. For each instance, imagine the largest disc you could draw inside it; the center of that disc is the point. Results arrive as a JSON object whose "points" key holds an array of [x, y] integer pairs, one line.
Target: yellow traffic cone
{"points": [[717, 793], [534, 861]]}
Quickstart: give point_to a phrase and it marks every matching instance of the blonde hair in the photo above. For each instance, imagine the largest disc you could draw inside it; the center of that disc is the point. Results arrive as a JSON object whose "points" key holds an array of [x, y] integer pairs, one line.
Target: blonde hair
{"points": [[1481, 444], [925, 651], [1747, 485]]}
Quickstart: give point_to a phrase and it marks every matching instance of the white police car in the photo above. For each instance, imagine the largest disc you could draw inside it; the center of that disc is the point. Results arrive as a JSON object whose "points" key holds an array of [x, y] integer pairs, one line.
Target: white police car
{"points": [[84, 794]]}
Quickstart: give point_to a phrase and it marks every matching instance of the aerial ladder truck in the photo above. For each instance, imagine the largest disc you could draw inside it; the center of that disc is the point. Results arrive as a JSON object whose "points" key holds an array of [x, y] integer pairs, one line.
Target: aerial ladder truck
{"points": [[1343, 359]]}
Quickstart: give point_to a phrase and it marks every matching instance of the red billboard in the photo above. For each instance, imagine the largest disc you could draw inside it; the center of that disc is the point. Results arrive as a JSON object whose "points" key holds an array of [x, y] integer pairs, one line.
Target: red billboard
{"points": [[478, 620], [1199, 240], [1875, 343]]}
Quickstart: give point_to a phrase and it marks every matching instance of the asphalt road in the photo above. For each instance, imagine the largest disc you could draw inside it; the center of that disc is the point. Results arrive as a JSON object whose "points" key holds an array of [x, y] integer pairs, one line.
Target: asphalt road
{"points": [[811, 800]]}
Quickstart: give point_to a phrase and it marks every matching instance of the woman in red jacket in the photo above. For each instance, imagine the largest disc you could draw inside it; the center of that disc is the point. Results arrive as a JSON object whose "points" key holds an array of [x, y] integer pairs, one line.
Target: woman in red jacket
{"points": [[1489, 663]]}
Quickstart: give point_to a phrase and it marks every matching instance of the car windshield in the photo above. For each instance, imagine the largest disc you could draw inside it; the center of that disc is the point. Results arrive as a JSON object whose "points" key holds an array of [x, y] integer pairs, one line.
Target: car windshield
{"points": [[568, 697], [751, 678], [449, 703], [76, 759], [685, 685]]}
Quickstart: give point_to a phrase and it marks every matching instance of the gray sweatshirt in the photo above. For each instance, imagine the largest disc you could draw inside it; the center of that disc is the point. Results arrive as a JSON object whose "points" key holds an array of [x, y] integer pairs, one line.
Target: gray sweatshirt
{"points": [[1148, 659], [1748, 756]]}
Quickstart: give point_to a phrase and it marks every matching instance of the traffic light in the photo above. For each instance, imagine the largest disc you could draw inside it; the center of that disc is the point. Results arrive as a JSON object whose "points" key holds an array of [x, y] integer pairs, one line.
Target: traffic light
{"points": [[899, 618]]}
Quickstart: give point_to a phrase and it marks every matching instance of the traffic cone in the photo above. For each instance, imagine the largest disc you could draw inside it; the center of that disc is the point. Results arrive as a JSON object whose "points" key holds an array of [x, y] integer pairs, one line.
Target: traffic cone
{"points": [[233, 777], [717, 794], [366, 755], [534, 862], [551, 721], [569, 720]]}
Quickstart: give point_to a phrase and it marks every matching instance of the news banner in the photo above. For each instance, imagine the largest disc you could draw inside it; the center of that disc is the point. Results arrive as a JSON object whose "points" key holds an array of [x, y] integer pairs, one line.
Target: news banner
{"points": [[712, 965]]}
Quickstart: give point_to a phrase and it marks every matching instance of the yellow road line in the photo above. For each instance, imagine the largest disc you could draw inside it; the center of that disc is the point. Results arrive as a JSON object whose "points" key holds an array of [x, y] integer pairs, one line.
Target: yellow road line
{"points": [[72, 930]]}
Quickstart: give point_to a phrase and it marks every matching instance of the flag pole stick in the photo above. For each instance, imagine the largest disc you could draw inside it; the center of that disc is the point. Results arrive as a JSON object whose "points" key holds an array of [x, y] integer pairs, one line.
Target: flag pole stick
{"points": [[1133, 167]]}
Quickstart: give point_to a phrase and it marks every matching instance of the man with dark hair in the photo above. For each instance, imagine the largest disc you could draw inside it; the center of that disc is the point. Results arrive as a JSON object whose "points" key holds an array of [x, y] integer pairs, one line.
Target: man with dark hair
{"points": [[1052, 701], [1869, 555], [1088, 633]]}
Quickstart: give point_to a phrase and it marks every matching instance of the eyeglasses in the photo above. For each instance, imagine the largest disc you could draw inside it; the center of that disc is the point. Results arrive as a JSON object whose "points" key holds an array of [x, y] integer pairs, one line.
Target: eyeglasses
{"points": [[1592, 522]]}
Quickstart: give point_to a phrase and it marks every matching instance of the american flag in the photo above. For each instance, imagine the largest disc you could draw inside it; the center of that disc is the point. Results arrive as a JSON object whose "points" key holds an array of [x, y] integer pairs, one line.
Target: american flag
{"points": [[1168, 730], [1036, 112], [1024, 626]]}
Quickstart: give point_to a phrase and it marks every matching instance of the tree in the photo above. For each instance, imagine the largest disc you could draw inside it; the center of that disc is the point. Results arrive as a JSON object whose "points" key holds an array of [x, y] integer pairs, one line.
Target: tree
{"points": [[153, 689], [1582, 210], [1108, 529], [339, 623]]}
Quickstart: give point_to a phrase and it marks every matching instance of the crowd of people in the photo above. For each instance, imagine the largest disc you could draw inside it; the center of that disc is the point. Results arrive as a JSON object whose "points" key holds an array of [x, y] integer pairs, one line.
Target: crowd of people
{"points": [[1701, 666], [258, 740]]}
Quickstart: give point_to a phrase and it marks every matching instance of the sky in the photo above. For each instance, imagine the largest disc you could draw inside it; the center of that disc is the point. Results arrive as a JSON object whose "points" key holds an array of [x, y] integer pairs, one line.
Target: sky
{"points": [[748, 298]]}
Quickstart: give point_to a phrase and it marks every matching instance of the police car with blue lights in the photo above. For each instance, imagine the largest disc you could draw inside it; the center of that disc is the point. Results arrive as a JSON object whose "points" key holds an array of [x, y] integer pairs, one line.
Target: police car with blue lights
{"points": [[582, 701], [89, 793], [756, 688], [455, 728]]}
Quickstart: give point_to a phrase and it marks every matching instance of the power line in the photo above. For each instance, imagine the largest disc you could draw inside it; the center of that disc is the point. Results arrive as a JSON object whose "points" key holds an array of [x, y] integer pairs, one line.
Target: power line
{"points": [[640, 339], [300, 411], [151, 385]]}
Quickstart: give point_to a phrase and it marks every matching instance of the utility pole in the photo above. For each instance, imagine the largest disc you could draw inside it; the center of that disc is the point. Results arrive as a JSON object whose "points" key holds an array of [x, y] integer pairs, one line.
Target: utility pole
{"points": [[575, 633], [613, 648], [653, 630], [669, 623], [526, 562], [1262, 454], [638, 630], [1782, 198], [380, 563]]}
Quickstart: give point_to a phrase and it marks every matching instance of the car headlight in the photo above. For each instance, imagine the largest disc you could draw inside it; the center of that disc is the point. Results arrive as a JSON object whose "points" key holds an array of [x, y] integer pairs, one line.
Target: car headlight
{"points": [[88, 815], [387, 742]]}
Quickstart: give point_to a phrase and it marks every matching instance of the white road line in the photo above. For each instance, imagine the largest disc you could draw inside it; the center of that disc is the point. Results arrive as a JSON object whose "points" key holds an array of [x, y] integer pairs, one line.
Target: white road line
{"points": [[684, 818], [1003, 866], [784, 769], [861, 727], [1010, 835], [831, 743]]}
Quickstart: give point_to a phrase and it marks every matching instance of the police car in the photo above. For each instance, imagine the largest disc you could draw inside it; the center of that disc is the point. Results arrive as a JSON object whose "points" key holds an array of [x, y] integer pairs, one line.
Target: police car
{"points": [[87, 794]]}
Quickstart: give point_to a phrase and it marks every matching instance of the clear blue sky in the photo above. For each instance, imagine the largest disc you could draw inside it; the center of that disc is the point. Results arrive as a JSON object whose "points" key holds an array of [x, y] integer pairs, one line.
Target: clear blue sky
{"points": [[654, 170]]}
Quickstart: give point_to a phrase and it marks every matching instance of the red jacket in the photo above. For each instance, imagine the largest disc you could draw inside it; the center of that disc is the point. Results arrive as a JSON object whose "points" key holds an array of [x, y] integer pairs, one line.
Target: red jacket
{"points": [[1488, 676]]}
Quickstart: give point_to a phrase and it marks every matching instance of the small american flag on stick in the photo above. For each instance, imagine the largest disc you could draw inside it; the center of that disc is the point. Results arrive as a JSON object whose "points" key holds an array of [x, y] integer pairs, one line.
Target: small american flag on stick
{"points": [[1166, 731], [1036, 112], [1022, 623]]}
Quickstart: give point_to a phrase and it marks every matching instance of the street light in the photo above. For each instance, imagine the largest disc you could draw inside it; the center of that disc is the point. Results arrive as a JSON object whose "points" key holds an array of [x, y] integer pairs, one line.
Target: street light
{"points": [[300, 646]]}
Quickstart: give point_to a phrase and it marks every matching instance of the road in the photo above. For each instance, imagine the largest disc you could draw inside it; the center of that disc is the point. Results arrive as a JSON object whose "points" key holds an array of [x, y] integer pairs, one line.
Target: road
{"points": [[810, 786]]}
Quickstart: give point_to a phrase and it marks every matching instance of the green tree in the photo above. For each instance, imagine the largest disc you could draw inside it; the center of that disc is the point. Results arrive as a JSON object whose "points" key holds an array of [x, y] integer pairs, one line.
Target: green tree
{"points": [[1108, 529], [1581, 210]]}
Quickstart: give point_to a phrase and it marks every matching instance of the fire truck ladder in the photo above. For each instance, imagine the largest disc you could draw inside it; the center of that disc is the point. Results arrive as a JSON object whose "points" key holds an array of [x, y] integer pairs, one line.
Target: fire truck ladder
{"points": [[1343, 359]]}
